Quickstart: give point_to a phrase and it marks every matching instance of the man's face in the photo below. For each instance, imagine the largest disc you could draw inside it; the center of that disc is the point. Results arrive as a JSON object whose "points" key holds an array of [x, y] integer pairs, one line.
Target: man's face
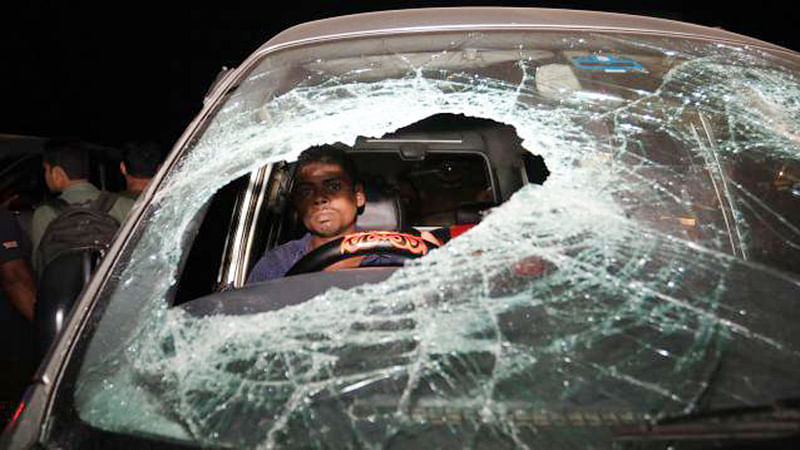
{"points": [[326, 200]]}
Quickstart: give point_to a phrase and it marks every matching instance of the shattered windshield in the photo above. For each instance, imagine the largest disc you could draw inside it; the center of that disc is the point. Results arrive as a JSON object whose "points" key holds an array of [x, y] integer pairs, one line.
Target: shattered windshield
{"points": [[665, 244]]}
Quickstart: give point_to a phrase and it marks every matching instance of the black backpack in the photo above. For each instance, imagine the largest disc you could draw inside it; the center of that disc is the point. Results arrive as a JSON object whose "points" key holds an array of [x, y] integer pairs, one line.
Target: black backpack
{"points": [[79, 226]]}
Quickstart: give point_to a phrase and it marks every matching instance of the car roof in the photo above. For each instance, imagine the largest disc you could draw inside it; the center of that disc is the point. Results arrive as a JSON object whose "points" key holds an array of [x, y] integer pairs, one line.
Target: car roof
{"points": [[422, 20], [472, 18], [12, 144]]}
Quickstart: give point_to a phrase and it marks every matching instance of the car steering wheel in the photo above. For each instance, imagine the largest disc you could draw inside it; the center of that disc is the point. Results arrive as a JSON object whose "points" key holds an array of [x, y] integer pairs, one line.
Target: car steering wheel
{"points": [[362, 243]]}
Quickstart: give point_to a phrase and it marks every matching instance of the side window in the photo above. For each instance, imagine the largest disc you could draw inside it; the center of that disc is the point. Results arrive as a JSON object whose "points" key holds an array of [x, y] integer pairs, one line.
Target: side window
{"points": [[241, 221], [201, 270], [274, 221]]}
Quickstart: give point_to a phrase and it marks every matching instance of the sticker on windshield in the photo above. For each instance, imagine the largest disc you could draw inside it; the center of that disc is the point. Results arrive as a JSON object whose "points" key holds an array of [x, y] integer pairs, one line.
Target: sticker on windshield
{"points": [[607, 64]]}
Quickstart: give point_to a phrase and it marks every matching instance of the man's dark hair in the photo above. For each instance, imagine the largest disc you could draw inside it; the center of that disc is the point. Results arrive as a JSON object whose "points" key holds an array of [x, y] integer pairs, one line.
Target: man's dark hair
{"points": [[69, 154], [142, 159], [328, 154]]}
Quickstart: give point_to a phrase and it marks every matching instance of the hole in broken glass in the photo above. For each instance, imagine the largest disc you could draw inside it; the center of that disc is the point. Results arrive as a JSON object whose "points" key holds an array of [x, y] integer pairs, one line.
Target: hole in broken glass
{"points": [[445, 174]]}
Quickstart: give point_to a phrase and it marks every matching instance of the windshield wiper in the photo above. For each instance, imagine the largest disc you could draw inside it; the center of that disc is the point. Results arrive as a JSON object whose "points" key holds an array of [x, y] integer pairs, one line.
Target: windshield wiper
{"points": [[777, 421]]}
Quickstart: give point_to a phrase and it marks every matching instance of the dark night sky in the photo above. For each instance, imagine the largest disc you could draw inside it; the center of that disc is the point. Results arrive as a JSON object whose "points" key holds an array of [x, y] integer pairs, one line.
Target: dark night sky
{"points": [[113, 73]]}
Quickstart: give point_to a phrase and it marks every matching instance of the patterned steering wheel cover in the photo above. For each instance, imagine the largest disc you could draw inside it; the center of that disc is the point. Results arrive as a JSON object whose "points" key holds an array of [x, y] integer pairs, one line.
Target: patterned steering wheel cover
{"points": [[404, 244]]}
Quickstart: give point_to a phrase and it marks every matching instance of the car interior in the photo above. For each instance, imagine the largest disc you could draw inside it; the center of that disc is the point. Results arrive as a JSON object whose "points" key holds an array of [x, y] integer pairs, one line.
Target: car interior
{"points": [[442, 175]]}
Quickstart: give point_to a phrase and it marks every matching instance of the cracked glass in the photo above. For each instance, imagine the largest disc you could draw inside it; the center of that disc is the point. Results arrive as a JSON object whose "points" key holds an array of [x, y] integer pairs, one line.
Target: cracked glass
{"points": [[655, 274]]}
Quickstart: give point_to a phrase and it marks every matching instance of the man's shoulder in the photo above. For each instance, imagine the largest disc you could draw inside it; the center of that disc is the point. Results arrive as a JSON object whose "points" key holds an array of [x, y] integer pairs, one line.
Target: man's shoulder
{"points": [[45, 210], [124, 201], [130, 194], [80, 193], [289, 249], [122, 206], [275, 262], [296, 244]]}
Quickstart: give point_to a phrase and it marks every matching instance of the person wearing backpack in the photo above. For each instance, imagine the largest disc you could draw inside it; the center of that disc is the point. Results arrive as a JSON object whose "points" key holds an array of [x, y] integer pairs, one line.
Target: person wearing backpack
{"points": [[81, 215]]}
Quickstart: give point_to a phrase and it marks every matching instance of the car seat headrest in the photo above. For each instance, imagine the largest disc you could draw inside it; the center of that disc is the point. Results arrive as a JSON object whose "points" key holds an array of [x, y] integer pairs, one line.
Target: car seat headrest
{"points": [[383, 210]]}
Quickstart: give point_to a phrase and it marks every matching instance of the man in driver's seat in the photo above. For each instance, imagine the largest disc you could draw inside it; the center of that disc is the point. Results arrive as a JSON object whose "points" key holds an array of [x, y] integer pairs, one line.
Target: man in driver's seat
{"points": [[327, 195]]}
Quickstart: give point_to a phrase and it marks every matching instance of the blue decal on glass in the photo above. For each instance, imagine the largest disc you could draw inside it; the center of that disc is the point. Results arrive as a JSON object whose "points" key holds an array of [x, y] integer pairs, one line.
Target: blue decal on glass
{"points": [[607, 64]]}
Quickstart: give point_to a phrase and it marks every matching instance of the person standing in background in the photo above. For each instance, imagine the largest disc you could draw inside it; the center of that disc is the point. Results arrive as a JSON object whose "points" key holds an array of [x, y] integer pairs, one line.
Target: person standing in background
{"points": [[66, 172], [18, 355], [139, 165], [16, 277]]}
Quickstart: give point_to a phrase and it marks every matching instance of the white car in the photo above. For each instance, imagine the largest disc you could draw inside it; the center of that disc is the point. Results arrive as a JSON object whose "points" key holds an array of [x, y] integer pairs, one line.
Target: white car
{"points": [[622, 199]]}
